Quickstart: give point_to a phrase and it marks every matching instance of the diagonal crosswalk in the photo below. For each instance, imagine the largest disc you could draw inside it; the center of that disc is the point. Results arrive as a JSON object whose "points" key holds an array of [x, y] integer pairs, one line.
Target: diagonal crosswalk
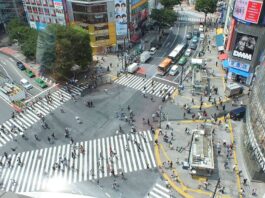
{"points": [[30, 115], [139, 83], [120, 153], [159, 191]]}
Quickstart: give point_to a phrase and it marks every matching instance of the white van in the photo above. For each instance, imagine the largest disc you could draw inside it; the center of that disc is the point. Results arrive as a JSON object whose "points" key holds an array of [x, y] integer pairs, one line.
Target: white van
{"points": [[25, 83], [174, 70], [152, 50], [132, 68]]}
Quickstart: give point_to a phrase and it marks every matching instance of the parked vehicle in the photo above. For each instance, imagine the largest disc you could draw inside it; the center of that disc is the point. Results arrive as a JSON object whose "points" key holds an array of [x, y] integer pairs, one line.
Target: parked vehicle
{"points": [[41, 83], [133, 68], [194, 39], [238, 114], [193, 46], [152, 50], [201, 28], [233, 89], [25, 83], [202, 37], [29, 73], [196, 33], [21, 66], [188, 35], [174, 70], [182, 60], [188, 52], [145, 56]]}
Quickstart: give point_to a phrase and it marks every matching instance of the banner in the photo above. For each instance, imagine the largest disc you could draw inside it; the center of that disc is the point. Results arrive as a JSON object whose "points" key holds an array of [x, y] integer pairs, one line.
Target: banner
{"points": [[244, 46], [238, 65], [121, 17]]}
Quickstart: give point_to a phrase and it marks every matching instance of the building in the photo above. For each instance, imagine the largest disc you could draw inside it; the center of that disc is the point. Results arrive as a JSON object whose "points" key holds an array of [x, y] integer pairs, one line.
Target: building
{"points": [[245, 44], [98, 17], [253, 140], [39, 13], [10, 9]]}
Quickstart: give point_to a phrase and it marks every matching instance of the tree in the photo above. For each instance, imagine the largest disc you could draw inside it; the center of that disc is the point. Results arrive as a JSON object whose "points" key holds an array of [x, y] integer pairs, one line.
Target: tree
{"points": [[170, 3], [206, 6], [164, 17]]}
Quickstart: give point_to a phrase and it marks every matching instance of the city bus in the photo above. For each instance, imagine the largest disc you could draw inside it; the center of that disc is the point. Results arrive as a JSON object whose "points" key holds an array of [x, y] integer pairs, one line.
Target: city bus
{"points": [[177, 52], [164, 66]]}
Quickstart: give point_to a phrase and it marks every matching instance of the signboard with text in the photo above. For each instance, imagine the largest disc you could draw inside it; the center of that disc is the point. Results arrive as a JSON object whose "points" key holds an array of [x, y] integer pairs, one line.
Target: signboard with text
{"points": [[59, 10], [121, 17], [238, 65]]}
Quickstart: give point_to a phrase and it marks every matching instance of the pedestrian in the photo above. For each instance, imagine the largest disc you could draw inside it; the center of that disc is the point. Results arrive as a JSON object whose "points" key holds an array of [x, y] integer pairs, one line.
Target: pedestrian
{"points": [[49, 139], [148, 122], [71, 141], [254, 192], [184, 115], [223, 107], [216, 63], [53, 136], [245, 181], [36, 137], [192, 101]]}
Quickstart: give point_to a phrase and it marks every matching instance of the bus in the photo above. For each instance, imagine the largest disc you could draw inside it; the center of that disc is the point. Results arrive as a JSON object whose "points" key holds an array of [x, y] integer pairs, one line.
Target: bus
{"points": [[177, 52], [164, 66]]}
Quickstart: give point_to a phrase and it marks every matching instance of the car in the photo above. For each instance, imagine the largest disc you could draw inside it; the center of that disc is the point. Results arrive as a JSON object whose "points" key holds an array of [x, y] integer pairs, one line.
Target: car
{"points": [[20, 65], [25, 83], [152, 50], [238, 114], [193, 46], [182, 60], [188, 52], [29, 73], [201, 28], [194, 39], [196, 33], [174, 70], [202, 37], [41, 83], [188, 35]]}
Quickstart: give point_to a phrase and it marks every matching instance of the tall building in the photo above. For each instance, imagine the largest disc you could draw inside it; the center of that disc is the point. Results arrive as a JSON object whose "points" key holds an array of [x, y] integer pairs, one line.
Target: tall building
{"points": [[245, 43], [254, 133], [39, 13], [98, 17], [10, 9]]}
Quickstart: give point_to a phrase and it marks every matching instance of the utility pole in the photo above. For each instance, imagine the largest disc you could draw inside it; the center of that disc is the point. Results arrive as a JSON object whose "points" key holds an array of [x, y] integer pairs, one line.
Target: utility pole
{"points": [[215, 189]]}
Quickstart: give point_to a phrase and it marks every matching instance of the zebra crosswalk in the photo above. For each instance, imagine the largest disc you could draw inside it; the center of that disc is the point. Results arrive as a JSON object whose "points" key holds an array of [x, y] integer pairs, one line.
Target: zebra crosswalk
{"points": [[139, 83], [30, 115], [101, 158], [159, 191]]}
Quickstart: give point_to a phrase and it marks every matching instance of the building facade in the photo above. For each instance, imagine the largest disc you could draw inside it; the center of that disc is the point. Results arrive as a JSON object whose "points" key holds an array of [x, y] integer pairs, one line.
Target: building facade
{"points": [[254, 131], [98, 18], [39, 13], [10, 9], [245, 43]]}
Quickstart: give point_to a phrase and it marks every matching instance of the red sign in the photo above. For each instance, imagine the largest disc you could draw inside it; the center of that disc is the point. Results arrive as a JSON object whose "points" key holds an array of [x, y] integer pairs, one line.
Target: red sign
{"points": [[253, 11]]}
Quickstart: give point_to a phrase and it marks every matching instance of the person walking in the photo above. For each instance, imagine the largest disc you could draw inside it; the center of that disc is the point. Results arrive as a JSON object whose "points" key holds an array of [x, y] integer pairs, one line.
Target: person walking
{"points": [[49, 139]]}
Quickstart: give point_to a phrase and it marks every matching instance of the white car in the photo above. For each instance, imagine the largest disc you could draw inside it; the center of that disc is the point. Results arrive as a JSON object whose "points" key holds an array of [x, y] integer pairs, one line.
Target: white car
{"points": [[201, 28], [202, 37], [174, 70], [188, 52], [152, 50], [25, 83]]}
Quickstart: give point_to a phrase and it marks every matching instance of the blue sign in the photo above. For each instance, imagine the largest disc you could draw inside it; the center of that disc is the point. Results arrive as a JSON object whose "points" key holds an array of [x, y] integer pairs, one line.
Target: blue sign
{"points": [[41, 26]]}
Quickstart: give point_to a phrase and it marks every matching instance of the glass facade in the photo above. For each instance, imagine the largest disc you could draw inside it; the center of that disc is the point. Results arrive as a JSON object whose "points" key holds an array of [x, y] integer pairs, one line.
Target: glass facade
{"points": [[254, 134]]}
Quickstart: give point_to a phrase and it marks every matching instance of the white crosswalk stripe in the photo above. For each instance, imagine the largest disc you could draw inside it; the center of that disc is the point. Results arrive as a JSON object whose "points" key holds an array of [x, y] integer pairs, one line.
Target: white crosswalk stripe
{"points": [[159, 191], [75, 90], [28, 117], [139, 83], [101, 156]]}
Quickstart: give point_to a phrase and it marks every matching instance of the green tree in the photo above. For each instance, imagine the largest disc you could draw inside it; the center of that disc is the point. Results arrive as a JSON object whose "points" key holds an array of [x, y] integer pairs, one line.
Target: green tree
{"points": [[170, 3], [206, 6], [164, 17]]}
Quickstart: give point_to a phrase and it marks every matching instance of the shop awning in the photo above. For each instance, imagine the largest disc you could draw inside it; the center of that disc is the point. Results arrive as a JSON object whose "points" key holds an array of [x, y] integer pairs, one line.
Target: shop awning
{"points": [[219, 40], [238, 72], [223, 56], [219, 31], [225, 64]]}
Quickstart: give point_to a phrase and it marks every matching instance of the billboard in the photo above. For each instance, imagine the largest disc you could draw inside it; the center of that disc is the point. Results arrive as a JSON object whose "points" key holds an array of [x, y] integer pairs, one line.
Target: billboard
{"points": [[244, 46], [121, 17], [58, 5], [247, 10], [238, 65]]}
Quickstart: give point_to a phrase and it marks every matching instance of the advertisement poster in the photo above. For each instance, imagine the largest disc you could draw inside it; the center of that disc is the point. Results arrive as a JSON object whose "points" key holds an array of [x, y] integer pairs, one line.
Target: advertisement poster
{"points": [[253, 11], [58, 5], [244, 46], [121, 17], [240, 9]]}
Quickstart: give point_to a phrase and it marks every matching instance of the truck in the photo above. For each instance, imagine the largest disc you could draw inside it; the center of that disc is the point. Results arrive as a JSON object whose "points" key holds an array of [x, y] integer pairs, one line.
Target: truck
{"points": [[132, 68], [233, 89], [145, 56]]}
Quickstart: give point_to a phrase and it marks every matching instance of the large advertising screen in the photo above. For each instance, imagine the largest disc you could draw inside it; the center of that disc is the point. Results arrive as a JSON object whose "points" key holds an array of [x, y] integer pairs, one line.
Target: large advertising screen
{"points": [[244, 46], [121, 17], [247, 10]]}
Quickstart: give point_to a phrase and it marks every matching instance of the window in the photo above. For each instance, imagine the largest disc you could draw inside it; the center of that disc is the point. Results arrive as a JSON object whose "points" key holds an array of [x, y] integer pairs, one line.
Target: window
{"points": [[38, 18], [99, 38], [40, 10], [33, 2], [46, 10], [50, 2], [101, 27], [27, 1], [38, 2], [35, 10], [31, 17], [44, 2], [99, 8], [29, 9]]}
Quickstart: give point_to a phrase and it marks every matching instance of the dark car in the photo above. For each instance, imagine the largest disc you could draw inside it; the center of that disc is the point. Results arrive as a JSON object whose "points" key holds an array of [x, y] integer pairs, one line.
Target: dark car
{"points": [[238, 114], [196, 33], [188, 35], [20, 65], [193, 46]]}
